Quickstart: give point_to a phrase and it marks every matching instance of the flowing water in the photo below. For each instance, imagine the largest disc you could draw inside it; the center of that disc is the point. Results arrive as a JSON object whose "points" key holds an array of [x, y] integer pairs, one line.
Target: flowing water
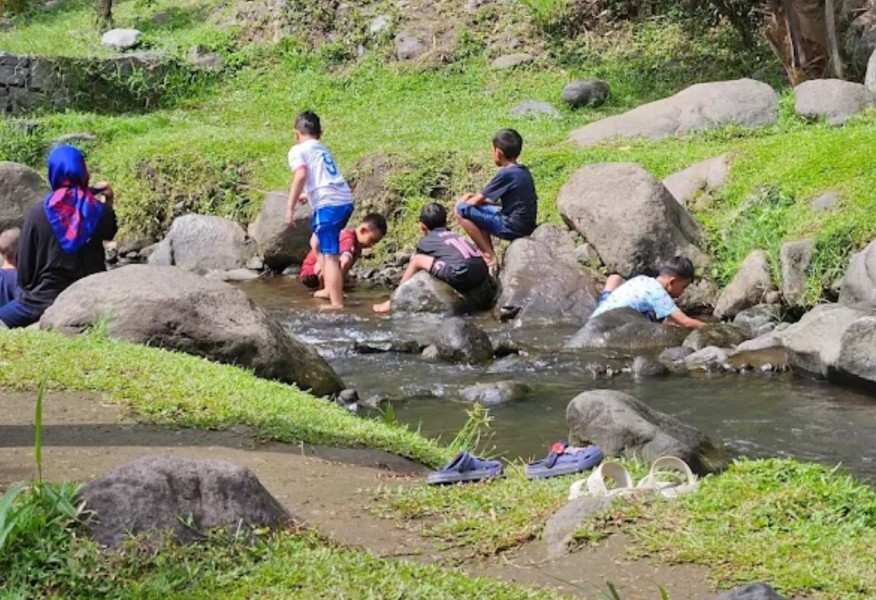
{"points": [[755, 415]]}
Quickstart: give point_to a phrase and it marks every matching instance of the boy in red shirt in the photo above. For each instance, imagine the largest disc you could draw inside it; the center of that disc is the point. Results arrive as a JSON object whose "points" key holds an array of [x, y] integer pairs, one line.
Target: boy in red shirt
{"points": [[367, 234]]}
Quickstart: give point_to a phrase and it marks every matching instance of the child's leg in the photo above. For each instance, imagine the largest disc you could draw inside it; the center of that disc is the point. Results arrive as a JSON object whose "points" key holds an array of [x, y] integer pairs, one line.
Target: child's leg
{"points": [[418, 262], [613, 282], [481, 223], [328, 223], [482, 239], [334, 281]]}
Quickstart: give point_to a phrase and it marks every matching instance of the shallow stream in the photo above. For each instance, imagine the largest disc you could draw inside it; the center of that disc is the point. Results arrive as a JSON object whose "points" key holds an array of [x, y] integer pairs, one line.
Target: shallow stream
{"points": [[755, 415]]}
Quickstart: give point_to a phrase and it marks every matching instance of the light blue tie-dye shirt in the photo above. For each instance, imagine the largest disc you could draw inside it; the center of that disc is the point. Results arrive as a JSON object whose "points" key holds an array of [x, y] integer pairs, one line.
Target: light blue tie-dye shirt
{"points": [[644, 294]]}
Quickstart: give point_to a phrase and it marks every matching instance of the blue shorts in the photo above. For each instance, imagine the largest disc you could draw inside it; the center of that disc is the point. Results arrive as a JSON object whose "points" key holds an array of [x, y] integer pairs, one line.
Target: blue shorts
{"points": [[15, 314], [603, 296], [488, 218], [327, 223]]}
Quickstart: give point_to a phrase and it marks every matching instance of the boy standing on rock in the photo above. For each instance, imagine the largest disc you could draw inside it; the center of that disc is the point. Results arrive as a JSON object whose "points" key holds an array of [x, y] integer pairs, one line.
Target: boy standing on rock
{"points": [[653, 297], [444, 255], [507, 207], [316, 173]]}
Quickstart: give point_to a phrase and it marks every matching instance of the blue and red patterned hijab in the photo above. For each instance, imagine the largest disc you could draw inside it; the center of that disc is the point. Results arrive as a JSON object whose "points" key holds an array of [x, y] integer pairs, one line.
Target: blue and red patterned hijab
{"points": [[71, 208]]}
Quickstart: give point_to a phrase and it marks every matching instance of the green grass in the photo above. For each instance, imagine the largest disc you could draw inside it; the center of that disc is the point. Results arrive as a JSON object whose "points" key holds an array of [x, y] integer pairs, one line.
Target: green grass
{"points": [[176, 389], [46, 555]]}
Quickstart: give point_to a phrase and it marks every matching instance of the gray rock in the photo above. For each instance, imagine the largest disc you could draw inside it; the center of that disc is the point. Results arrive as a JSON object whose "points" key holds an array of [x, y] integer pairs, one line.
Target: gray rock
{"points": [[860, 37], [256, 263], [703, 106], [534, 108], [768, 341], [561, 527], [121, 39], [753, 591], [833, 100], [824, 202], [232, 275], [20, 186], [461, 341], [673, 358], [856, 363], [493, 394], [174, 309], [278, 245], [814, 343], [203, 243], [201, 58], [379, 24], [870, 78], [626, 330], [587, 256], [157, 494], [426, 294], [622, 425], [509, 61], [74, 139], [722, 335], [859, 282], [562, 293], [748, 288], [586, 92], [644, 367], [796, 258], [409, 46], [699, 297], [758, 320], [702, 178], [710, 358], [629, 217], [431, 352]]}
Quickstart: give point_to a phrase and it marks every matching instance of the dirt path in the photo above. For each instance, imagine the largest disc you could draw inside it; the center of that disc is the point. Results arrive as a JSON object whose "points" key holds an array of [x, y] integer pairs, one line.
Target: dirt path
{"points": [[328, 487]]}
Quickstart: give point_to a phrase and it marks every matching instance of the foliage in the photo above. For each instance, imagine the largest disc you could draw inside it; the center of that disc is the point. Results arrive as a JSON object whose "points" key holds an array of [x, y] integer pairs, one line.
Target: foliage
{"points": [[19, 143], [185, 391]]}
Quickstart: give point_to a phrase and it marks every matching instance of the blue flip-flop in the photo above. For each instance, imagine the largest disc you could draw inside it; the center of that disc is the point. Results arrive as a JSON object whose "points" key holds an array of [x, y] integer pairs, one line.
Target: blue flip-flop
{"points": [[465, 467], [563, 460]]}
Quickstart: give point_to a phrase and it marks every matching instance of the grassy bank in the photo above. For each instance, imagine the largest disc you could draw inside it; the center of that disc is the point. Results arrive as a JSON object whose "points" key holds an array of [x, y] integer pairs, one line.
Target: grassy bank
{"points": [[803, 528], [179, 390]]}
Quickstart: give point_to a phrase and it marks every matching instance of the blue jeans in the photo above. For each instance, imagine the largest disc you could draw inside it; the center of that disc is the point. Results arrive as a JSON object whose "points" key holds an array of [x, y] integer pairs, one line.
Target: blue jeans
{"points": [[327, 223], [15, 314], [488, 218]]}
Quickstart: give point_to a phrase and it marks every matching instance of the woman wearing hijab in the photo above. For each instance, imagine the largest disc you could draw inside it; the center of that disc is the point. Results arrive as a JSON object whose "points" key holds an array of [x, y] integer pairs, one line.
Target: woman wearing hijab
{"points": [[62, 237]]}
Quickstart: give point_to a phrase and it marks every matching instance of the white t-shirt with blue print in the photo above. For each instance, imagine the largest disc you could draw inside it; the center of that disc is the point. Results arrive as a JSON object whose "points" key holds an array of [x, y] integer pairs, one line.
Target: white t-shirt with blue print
{"points": [[325, 186], [644, 294]]}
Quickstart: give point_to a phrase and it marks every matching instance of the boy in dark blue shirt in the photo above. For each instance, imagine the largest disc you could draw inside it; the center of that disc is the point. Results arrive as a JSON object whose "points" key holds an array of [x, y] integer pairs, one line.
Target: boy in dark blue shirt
{"points": [[9, 269], [444, 255], [507, 206]]}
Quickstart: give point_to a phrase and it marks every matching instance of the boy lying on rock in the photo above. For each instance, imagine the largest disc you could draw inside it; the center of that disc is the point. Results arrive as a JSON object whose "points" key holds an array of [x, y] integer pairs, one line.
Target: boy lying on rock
{"points": [[444, 255], [367, 234], [654, 297]]}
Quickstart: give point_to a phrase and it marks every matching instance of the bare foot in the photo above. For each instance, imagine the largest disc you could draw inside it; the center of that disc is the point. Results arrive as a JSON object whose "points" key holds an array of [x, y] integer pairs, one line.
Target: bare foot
{"points": [[328, 307], [322, 294], [382, 308]]}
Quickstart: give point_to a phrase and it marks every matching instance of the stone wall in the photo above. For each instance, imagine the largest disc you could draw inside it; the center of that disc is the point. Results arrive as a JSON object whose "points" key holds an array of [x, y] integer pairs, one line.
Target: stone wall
{"points": [[33, 83]]}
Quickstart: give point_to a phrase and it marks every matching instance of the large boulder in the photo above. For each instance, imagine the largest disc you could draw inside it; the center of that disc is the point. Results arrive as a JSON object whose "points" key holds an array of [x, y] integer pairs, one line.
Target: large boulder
{"points": [[423, 293], [624, 426], [796, 258], [743, 102], [542, 279], [20, 186], [710, 358], [626, 330], [629, 217], [856, 363], [159, 494], [461, 341], [178, 310], [859, 282], [758, 320], [586, 92], [752, 591], [701, 178], [494, 394], [204, 243], [723, 335], [748, 288], [814, 343], [278, 245], [833, 100]]}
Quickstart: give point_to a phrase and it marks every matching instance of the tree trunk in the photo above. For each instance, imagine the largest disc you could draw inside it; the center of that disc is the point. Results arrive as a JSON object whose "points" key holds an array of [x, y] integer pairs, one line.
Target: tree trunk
{"points": [[105, 14], [798, 31]]}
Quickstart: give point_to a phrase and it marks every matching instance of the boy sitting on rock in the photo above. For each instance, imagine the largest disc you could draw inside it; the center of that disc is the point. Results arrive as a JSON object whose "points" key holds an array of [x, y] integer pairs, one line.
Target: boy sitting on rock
{"points": [[367, 234], [507, 207], [654, 297], [9, 270], [444, 255]]}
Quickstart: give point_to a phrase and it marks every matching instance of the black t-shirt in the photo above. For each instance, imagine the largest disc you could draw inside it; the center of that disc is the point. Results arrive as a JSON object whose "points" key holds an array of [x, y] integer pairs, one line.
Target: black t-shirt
{"points": [[44, 270], [514, 188], [456, 253]]}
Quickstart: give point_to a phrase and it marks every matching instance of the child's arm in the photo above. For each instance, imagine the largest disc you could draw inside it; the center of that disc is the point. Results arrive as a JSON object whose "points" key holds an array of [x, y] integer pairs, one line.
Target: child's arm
{"points": [[478, 199], [295, 194], [685, 321]]}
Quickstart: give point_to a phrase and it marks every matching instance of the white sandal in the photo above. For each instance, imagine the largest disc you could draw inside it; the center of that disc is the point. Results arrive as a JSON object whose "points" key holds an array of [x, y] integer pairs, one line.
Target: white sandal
{"points": [[596, 482], [670, 476]]}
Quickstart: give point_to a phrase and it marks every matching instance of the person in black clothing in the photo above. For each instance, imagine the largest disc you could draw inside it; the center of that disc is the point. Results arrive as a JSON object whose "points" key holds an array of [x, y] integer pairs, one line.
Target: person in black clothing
{"points": [[507, 207], [443, 254], [61, 238]]}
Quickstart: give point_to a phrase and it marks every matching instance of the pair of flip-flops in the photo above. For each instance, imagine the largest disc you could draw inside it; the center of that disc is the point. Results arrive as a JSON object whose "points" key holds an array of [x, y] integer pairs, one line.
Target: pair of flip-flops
{"points": [[669, 476], [562, 460]]}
